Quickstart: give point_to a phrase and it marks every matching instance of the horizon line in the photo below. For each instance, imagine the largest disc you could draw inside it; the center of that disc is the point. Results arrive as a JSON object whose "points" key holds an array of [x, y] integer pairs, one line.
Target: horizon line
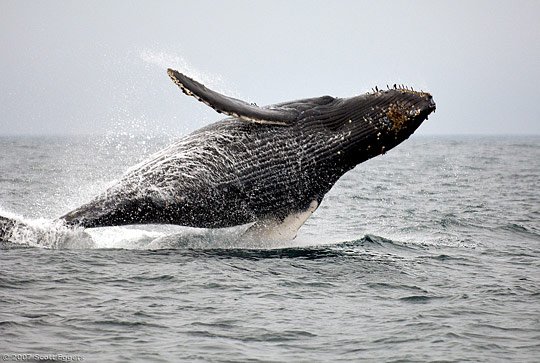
{"points": [[158, 134]]}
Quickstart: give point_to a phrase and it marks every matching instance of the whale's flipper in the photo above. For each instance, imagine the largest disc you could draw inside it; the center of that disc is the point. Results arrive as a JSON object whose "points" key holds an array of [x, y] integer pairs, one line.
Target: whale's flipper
{"points": [[231, 106], [280, 230]]}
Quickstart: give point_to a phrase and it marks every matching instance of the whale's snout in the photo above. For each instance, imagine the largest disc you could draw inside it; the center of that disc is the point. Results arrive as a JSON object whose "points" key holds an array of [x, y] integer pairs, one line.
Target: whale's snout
{"points": [[427, 103], [392, 114], [432, 104], [401, 111], [378, 121]]}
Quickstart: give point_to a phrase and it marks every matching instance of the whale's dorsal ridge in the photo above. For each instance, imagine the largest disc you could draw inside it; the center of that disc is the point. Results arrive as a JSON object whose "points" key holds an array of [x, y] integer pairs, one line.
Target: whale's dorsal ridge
{"points": [[231, 106]]}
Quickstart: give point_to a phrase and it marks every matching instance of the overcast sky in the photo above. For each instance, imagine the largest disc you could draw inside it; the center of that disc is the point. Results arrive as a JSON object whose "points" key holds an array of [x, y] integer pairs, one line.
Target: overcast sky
{"points": [[74, 67]]}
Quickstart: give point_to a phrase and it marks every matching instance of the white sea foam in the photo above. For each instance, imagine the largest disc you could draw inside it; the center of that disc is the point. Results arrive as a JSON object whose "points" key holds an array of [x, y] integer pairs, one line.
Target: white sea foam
{"points": [[48, 234]]}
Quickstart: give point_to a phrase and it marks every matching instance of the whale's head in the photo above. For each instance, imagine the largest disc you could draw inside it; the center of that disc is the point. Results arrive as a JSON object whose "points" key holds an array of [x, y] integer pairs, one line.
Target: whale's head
{"points": [[375, 122]]}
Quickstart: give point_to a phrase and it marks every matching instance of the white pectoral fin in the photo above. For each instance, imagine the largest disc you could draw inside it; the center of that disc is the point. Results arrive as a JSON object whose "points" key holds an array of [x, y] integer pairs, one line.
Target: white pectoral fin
{"points": [[280, 230]]}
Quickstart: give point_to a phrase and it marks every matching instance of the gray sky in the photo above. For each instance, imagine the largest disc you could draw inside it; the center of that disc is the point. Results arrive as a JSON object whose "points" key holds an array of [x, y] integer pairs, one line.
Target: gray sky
{"points": [[100, 66]]}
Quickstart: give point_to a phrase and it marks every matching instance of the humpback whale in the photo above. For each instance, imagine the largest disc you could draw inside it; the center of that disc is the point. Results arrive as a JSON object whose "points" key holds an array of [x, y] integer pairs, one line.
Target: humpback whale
{"points": [[269, 166]]}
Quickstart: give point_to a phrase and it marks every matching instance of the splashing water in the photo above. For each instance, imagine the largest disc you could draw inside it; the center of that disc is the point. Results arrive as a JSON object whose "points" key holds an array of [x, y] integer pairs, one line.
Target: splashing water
{"points": [[55, 234], [164, 60], [49, 234]]}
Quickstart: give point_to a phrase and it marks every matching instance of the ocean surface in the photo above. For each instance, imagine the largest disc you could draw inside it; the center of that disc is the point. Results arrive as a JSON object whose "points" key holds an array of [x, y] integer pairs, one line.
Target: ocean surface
{"points": [[428, 253]]}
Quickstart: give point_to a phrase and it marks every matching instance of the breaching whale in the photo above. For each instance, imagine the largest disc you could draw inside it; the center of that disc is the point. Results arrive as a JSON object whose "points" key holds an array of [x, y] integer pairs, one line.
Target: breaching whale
{"points": [[270, 166]]}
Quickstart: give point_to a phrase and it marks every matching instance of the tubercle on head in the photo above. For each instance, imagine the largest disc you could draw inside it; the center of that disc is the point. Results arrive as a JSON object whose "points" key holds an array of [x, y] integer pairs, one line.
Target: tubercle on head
{"points": [[400, 88]]}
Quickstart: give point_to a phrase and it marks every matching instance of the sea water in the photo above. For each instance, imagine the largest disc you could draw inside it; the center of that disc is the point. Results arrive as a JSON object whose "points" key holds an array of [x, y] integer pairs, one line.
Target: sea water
{"points": [[430, 252]]}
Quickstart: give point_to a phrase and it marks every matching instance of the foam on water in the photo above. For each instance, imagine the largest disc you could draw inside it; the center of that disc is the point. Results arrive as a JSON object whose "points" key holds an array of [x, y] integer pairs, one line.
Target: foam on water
{"points": [[54, 234], [48, 234]]}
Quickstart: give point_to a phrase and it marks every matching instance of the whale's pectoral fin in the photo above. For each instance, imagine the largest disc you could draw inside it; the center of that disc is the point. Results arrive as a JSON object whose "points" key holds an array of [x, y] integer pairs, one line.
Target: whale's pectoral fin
{"points": [[231, 106], [280, 229]]}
